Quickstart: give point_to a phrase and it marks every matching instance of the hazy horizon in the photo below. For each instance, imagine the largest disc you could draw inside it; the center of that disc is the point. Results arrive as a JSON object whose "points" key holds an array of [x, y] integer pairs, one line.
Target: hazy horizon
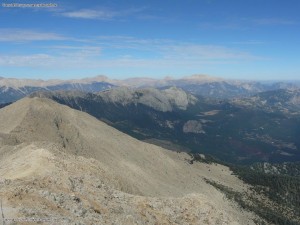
{"points": [[159, 78], [245, 40]]}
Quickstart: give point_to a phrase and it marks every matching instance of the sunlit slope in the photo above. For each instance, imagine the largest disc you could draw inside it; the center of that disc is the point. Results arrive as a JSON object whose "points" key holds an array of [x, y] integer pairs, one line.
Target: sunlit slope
{"points": [[64, 163]]}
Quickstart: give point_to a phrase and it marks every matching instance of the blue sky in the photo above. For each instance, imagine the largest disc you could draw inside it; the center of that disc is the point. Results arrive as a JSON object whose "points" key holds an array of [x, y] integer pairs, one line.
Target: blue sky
{"points": [[239, 39]]}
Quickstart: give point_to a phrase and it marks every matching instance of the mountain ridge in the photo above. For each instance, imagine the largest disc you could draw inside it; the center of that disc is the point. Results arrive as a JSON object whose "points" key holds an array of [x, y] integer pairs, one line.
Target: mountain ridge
{"points": [[67, 165], [12, 89]]}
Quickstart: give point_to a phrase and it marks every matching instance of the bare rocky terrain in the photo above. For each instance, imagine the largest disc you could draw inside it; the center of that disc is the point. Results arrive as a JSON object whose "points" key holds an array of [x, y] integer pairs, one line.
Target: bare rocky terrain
{"points": [[160, 100], [63, 166]]}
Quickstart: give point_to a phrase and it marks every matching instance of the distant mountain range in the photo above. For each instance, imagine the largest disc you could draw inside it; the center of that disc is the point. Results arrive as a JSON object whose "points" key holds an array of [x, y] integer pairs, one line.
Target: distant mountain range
{"points": [[235, 121], [283, 100], [14, 89]]}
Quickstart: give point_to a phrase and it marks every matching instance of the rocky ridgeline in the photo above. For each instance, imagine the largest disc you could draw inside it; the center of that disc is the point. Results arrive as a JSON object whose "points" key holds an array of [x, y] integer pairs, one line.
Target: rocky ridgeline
{"points": [[161, 100]]}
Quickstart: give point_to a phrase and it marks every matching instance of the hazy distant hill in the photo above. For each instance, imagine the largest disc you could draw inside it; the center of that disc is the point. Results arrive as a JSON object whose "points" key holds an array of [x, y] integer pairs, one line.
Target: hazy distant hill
{"points": [[281, 100], [217, 88], [15, 89], [212, 87]]}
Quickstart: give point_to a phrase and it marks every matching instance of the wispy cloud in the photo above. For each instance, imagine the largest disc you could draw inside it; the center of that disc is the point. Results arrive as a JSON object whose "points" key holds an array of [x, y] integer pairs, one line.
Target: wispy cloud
{"points": [[205, 52], [49, 61], [60, 56], [101, 14], [33, 60], [167, 48], [128, 52], [90, 14], [274, 21], [249, 42], [82, 51], [132, 43], [227, 25], [23, 35], [246, 23]]}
